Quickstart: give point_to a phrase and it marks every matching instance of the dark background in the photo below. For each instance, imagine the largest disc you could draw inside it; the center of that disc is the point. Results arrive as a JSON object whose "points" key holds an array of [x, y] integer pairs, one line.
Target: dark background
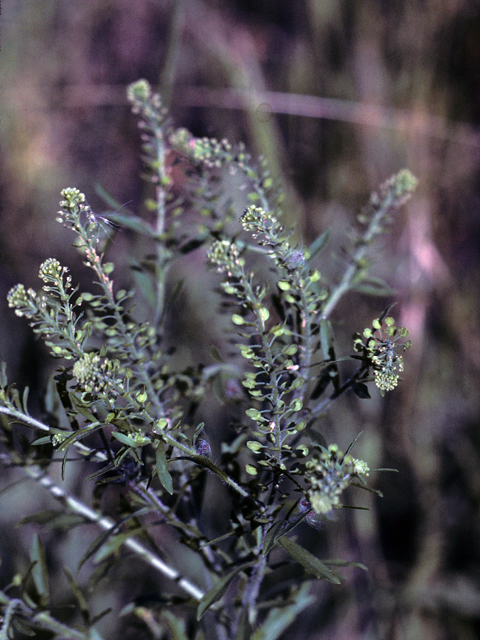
{"points": [[375, 86]]}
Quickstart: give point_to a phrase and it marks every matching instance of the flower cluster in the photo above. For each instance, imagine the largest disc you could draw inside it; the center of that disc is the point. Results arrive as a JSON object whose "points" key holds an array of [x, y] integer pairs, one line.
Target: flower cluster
{"points": [[381, 348], [209, 152], [144, 101], [93, 373], [226, 255], [22, 300], [399, 188], [329, 474], [260, 223]]}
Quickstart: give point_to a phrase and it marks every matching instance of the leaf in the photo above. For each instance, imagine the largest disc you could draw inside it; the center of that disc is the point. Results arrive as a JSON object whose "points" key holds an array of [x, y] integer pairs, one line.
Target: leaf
{"points": [[215, 353], [192, 244], [39, 570], [131, 222], [373, 287], [39, 441], [319, 244], [24, 626], [82, 409], [244, 629], [161, 467], [175, 625], [41, 517], [198, 431], [280, 529], [322, 383], [143, 284], [361, 390], [114, 543], [309, 562], [279, 619], [219, 589], [326, 339], [346, 563], [128, 441], [79, 597]]}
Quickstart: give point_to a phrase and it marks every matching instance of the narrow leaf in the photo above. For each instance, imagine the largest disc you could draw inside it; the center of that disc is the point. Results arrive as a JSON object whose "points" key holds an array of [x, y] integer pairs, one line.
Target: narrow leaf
{"points": [[162, 468], [39, 570], [319, 244], [361, 390], [219, 589], [326, 339], [131, 222], [79, 597], [280, 529], [373, 289], [82, 409], [279, 619], [198, 431], [114, 544], [309, 562], [128, 441], [144, 284], [41, 517], [346, 563]]}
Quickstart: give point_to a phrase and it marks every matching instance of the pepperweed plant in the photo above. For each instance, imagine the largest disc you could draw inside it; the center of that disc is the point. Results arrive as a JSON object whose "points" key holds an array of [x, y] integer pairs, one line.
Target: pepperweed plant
{"points": [[117, 401]]}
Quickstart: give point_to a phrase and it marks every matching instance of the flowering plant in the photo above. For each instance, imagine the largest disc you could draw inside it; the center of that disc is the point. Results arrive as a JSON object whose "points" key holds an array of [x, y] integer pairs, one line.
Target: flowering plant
{"points": [[121, 403]]}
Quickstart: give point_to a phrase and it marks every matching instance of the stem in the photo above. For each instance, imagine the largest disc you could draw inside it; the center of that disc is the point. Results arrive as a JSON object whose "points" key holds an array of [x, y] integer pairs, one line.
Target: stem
{"points": [[249, 294], [43, 619], [374, 229], [253, 587], [324, 404], [107, 524]]}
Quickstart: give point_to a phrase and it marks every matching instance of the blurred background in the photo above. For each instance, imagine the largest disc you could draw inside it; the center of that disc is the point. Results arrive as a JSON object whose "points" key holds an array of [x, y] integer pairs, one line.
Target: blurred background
{"points": [[337, 95]]}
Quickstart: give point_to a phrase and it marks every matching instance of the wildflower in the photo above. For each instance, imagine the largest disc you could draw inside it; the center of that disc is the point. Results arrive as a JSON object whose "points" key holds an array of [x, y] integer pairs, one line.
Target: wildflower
{"points": [[23, 301], [381, 348], [226, 255], [93, 373], [329, 473]]}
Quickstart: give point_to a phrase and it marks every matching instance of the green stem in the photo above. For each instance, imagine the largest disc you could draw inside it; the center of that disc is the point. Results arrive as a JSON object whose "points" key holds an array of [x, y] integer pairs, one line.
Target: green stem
{"points": [[374, 229], [277, 433], [42, 619]]}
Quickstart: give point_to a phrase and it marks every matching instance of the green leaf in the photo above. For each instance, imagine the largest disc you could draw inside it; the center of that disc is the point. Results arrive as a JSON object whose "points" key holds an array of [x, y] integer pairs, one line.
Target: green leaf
{"points": [[309, 562], [319, 244], [78, 435], [82, 409], [129, 441], [373, 287], [79, 597], [175, 625], [131, 222], [279, 529], [41, 517], [326, 342], [326, 339], [244, 629], [219, 588], [346, 563], [39, 570], [43, 440], [115, 542], [161, 466], [198, 431], [279, 619], [144, 284]]}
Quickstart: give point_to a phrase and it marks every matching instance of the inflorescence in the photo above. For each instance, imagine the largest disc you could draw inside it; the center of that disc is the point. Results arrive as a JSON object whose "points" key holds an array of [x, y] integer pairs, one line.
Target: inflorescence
{"points": [[381, 348]]}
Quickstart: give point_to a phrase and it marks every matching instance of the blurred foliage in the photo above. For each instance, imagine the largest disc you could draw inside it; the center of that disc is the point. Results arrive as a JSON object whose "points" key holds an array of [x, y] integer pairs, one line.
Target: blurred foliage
{"points": [[373, 86]]}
